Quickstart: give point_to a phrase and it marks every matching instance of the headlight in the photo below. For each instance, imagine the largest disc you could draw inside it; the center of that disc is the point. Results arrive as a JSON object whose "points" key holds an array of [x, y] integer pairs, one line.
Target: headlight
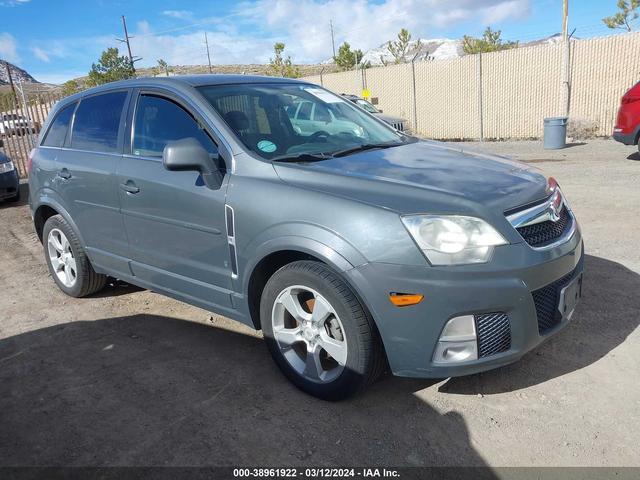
{"points": [[7, 167], [453, 240]]}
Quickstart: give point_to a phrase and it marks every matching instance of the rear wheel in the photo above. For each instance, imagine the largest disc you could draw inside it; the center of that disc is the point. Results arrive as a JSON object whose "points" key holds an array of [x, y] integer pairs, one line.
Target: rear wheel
{"points": [[318, 333], [67, 261]]}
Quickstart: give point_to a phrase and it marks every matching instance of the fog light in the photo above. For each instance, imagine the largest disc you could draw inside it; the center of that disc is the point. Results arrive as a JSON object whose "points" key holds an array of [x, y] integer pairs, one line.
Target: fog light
{"points": [[458, 341]]}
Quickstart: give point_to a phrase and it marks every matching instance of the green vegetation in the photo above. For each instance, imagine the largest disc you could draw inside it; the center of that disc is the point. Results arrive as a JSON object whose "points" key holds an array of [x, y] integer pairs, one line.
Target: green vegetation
{"points": [[399, 48], [110, 68], [347, 58], [490, 42], [70, 87], [162, 67], [280, 66], [625, 17]]}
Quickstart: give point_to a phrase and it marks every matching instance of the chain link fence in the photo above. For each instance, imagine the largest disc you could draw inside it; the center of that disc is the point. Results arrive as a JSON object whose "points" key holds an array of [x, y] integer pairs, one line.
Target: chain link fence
{"points": [[506, 94]]}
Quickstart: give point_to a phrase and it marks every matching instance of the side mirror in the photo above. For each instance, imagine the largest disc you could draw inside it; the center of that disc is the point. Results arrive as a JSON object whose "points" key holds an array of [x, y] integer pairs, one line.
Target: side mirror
{"points": [[188, 154], [379, 110]]}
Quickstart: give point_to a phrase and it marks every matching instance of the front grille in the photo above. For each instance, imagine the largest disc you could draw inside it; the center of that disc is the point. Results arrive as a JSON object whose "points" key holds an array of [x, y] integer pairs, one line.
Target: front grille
{"points": [[545, 233], [546, 300], [494, 333]]}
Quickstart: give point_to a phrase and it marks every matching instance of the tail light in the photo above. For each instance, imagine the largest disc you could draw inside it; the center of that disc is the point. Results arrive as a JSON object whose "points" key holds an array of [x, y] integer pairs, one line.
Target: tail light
{"points": [[630, 99], [632, 95]]}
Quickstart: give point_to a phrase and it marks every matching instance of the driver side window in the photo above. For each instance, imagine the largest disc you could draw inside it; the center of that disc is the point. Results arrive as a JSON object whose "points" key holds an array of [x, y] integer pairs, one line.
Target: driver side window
{"points": [[159, 121]]}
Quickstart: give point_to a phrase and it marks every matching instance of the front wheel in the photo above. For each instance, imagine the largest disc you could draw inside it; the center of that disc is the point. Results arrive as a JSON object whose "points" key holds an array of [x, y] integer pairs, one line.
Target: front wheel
{"points": [[318, 333]]}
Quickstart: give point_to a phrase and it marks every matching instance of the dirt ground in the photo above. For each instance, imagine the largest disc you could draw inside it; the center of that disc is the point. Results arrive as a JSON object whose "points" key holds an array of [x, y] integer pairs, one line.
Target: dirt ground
{"points": [[128, 377]]}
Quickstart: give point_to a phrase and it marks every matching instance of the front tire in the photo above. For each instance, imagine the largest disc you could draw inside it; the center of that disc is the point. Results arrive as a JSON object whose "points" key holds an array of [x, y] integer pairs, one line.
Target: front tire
{"points": [[318, 333], [67, 261]]}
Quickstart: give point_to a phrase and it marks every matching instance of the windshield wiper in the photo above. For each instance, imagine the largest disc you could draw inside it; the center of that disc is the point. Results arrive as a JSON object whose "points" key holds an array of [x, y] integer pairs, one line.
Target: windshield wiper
{"points": [[302, 157], [362, 148]]}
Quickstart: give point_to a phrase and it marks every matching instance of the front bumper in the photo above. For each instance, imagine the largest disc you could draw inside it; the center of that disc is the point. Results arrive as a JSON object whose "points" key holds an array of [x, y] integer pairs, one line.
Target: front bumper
{"points": [[410, 334], [9, 184]]}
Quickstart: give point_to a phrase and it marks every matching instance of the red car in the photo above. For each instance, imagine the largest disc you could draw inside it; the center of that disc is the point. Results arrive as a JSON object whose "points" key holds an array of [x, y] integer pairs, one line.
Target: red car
{"points": [[627, 129]]}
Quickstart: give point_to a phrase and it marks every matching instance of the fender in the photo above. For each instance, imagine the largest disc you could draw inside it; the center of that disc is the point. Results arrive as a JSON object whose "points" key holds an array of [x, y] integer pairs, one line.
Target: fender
{"points": [[316, 241], [50, 198]]}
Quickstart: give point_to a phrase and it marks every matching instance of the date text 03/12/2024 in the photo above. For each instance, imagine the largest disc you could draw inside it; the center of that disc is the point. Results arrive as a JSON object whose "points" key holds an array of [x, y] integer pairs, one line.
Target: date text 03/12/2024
{"points": [[315, 472]]}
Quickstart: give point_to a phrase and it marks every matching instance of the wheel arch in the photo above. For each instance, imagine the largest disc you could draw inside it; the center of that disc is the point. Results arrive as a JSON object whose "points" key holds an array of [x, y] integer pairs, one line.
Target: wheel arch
{"points": [[47, 207], [275, 254]]}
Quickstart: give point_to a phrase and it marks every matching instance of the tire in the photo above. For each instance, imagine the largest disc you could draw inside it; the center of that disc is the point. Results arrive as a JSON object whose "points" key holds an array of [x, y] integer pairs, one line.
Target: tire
{"points": [[348, 330], [72, 271]]}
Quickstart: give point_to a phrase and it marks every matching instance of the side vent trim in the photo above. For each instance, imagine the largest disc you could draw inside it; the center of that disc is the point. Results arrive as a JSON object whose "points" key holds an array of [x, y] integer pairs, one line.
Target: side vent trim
{"points": [[231, 239]]}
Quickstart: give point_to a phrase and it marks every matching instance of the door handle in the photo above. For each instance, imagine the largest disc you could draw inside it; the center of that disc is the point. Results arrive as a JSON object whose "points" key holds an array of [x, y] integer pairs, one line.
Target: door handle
{"points": [[64, 174], [130, 187]]}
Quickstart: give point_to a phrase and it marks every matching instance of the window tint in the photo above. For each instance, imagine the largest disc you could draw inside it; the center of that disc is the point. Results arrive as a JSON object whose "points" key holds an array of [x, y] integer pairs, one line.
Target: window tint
{"points": [[159, 121], [95, 127], [58, 129]]}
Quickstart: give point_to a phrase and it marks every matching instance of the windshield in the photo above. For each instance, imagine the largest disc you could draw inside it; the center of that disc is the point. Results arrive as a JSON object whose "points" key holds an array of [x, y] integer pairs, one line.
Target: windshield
{"points": [[278, 121], [367, 106]]}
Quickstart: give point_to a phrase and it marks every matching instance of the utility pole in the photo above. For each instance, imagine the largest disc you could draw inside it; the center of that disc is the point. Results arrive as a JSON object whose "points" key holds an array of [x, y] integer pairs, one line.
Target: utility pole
{"points": [[13, 87], [565, 20], [206, 41], [333, 41], [126, 40]]}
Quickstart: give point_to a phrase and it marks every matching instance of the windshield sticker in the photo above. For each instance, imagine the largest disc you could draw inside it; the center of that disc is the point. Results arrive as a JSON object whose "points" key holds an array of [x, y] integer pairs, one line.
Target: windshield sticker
{"points": [[323, 95], [267, 146]]}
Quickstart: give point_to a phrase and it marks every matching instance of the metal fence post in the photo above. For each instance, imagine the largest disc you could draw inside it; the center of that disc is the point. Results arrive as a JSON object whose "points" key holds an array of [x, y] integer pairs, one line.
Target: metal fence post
{"points": [[480, 103], [566, 81], [415, 95], [26, 113]]}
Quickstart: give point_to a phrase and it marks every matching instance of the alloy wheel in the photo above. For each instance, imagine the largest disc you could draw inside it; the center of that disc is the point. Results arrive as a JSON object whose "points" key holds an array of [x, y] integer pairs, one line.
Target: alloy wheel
{"points": [[62, 258], [309, 333]]}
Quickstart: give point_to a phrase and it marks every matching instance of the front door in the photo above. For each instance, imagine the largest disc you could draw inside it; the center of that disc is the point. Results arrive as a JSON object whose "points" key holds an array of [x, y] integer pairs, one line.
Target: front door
{"points": [[174, 222]]}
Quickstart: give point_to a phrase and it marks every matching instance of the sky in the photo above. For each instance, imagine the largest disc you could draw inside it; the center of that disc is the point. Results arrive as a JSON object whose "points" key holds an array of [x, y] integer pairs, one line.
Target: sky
{"points": [[56, 40]]}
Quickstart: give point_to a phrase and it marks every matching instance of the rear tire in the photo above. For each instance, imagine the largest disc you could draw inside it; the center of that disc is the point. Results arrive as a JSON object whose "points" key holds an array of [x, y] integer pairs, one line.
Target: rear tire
{"points": [[327, 314], [68, 263]]}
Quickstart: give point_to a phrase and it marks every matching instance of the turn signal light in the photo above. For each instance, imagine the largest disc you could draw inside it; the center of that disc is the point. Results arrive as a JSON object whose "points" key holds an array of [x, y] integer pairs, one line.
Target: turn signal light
{"points": [[405, 299]]}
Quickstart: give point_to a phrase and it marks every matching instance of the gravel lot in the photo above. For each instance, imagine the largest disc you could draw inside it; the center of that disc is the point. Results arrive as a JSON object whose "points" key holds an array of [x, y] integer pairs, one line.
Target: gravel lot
{"points": [[128, 377]]}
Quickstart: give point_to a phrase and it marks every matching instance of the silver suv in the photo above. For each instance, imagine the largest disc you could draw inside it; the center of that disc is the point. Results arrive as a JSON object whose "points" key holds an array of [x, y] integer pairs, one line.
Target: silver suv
{"points": [[351, 245]]}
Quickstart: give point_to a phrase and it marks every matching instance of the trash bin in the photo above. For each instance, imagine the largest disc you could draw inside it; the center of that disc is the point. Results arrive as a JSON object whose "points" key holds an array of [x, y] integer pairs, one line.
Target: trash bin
{"points": [[555, 133]]}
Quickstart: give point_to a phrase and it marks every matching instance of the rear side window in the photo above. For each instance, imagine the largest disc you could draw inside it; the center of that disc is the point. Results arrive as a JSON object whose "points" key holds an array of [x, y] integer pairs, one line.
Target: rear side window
{"points": [[160, 121], [58, 130], [97, 121]]}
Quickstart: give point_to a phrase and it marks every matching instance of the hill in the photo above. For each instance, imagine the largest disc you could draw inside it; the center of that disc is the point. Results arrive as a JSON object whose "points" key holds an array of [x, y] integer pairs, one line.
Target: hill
{"points": [[17, 74]]}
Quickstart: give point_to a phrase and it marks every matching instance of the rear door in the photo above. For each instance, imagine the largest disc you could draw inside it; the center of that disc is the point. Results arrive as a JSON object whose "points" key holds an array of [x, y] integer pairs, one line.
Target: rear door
{"points": [[174, 222], [85, 178]]}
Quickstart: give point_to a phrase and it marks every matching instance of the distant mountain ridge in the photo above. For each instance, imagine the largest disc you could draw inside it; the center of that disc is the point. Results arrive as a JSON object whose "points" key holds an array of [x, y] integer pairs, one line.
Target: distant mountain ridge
{"points": [[17, 74]]}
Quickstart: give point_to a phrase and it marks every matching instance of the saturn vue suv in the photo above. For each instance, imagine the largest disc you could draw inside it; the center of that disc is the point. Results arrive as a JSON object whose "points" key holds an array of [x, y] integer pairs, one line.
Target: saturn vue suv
{"points": [[354, 249]]}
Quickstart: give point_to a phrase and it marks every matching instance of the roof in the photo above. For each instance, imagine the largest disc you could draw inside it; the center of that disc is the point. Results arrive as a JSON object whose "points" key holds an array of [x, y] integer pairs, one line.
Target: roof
{"points": [[178, 82]]}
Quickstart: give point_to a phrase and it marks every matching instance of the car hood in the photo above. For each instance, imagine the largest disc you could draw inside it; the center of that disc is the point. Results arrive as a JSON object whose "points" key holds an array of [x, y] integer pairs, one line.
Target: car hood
{"points": [[424, 176], [389, 118]]}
